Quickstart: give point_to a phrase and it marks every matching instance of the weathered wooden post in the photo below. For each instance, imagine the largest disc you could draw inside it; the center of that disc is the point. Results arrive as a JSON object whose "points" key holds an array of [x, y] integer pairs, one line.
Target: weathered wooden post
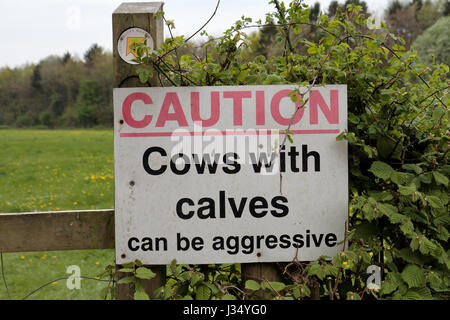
{"points": [[134, 22]]}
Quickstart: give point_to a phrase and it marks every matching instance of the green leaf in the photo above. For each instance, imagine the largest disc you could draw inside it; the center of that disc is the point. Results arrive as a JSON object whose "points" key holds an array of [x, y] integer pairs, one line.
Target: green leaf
{"points": [[128, 265], [422, 293], [277, 286], [426, 177], [144, 273], [434, 202], [144, 74], [124, 280], [440, 178], [409, 256], [402, 178], [434, 280], [412, 167], [381, 170], [406, 191], [202, 292], [305, 291], [312, 50], [426, 246], [316, 270], [388, 287], [296, 292], [407, 228], [413, 276], [353, 296], [252, 285], [414, 244], [195, 278], [141, 295], [228, 297], [387, 209], [341, 136]]}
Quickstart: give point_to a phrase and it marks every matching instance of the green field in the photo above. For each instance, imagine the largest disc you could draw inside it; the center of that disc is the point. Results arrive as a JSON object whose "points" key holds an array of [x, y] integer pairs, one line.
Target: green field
{"points": [[43, 170]]}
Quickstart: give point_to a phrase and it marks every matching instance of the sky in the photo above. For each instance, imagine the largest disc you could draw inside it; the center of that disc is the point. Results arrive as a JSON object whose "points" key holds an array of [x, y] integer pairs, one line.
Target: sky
{"points": [[31, 30]]}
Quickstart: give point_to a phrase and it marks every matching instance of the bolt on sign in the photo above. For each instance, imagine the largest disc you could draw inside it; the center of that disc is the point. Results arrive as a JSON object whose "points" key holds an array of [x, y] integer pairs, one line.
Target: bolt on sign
{"points": [[200, 177]]}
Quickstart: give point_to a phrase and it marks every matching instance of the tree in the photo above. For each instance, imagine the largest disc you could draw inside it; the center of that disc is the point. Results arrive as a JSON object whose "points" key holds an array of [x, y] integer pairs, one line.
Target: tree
{"points": [[48, 93], [335, 6], [90, 55], [435, 41], [409, 19]]}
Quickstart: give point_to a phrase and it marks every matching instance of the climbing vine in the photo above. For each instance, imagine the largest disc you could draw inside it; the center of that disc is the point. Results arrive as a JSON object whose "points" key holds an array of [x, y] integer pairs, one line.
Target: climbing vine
{"points": [[398, 138]]}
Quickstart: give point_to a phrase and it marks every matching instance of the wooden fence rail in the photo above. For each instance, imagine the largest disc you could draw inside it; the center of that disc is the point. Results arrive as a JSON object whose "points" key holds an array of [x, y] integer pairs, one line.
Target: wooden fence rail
{"points": [[57, 230]]}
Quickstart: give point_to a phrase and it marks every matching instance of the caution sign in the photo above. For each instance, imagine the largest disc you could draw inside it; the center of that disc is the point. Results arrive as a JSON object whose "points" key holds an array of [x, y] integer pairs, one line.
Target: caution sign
{"points": [[200, 177]]}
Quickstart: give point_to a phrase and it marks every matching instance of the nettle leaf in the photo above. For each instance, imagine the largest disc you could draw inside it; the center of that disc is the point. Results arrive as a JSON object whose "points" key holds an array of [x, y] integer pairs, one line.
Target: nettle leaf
{"points": [[413, 276], [440, 178], [381, 170]]}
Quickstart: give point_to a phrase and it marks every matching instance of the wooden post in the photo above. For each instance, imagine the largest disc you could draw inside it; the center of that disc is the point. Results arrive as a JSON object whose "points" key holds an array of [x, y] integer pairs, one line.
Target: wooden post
{"points": [[142, 16], [260, 272]]}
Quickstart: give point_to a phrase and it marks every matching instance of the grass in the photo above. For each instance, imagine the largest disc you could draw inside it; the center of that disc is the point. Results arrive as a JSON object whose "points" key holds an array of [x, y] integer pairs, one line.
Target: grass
{"points": [[43, 170]]}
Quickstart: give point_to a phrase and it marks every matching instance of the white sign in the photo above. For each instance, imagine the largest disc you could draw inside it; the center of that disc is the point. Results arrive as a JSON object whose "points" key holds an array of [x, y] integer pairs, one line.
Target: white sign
{"points": [[199, 176], [130, 37]]}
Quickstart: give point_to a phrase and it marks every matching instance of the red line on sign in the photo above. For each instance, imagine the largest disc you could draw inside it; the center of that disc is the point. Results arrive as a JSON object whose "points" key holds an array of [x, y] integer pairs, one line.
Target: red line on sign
{"points": [[222, 133]]}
